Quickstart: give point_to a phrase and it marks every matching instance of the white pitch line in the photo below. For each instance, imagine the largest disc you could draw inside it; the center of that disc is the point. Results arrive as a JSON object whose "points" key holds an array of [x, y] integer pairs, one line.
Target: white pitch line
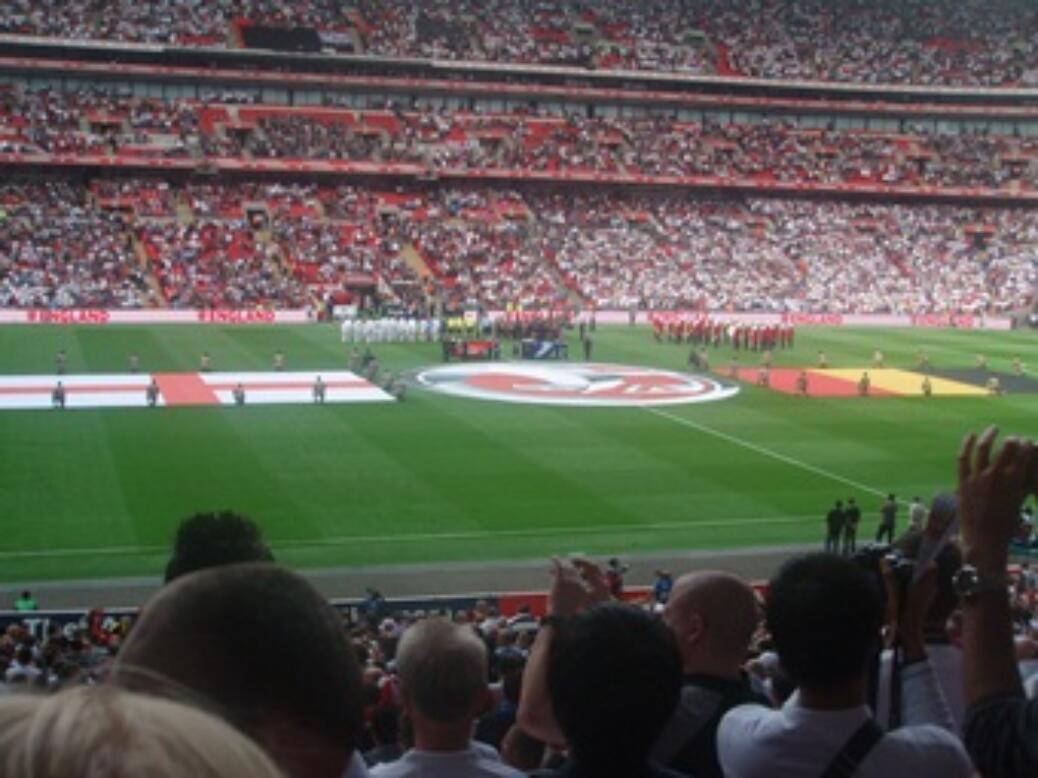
{"points": [[768, 452], [611, 529]]}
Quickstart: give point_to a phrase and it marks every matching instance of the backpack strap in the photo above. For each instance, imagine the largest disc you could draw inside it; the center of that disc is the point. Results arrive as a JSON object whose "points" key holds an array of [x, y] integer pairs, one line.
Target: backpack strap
{"points": [[854, 750]]}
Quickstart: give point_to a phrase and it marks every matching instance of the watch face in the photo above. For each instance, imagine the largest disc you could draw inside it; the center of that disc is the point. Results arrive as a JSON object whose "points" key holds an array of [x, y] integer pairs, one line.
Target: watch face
{"points": [[969, 582], [966, 581]]}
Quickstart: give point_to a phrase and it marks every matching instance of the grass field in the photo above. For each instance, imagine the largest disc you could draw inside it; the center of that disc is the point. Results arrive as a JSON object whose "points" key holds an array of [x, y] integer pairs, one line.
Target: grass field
{"points": [[90, 494]]}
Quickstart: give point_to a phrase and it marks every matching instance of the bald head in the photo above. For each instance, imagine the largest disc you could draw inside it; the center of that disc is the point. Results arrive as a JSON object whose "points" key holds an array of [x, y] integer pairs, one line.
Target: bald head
{"points": [[713, 616], [258, 645]]}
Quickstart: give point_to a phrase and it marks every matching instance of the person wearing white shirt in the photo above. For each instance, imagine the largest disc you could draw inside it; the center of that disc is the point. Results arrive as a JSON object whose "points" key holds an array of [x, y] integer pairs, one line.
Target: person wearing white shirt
{"points": [[916, 514], [825, 614], [442, 668]]}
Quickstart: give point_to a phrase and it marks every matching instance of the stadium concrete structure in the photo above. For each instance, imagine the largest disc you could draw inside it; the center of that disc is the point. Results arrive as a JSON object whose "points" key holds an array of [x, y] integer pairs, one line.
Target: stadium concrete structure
{"points": [[605, 162]]}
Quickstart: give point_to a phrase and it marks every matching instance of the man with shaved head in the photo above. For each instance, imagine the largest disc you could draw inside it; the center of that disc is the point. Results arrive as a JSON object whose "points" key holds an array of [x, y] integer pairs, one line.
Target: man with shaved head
{"points": [[257, 645], [713, 616]]}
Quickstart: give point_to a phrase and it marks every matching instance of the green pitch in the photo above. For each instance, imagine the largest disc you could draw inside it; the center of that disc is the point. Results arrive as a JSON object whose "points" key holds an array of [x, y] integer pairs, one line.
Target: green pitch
{"points": [[436, 478]]}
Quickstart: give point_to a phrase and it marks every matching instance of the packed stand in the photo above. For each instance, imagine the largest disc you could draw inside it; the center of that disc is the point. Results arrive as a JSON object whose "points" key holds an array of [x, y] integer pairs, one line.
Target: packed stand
{"points": [[483, 245], [209, 264], [286, 245], [95, 122], [971, 43], [787, 255], [58, 250]]}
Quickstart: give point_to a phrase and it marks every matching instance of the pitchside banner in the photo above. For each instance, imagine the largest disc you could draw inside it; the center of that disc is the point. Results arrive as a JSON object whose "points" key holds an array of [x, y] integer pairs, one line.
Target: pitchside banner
{"points": [[97, 316], [939, 320], [101, 317]]}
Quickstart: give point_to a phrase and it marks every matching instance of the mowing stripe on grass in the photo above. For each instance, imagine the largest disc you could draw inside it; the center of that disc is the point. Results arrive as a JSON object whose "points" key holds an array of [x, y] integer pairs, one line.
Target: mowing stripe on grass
{"points": [[766, 452], [428, 536]]}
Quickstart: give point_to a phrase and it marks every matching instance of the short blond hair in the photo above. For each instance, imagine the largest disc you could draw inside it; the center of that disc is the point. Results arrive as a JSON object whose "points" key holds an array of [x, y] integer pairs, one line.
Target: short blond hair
{"points": [[106, 732]]}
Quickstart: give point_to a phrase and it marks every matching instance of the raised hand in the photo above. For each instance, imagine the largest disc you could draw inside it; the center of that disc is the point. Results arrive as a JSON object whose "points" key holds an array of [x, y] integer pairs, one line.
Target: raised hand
{"points": [[991, 493]]}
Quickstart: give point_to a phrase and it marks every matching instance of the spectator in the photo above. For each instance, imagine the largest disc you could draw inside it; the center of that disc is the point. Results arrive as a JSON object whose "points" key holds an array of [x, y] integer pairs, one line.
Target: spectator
{"points": [[104, 732], [25, 602], [945, 657], [385, 731], [613, 679], [374, 607], [835, 521], [23, 668], [442, 668], [493, 725], [1001, 725], [614, 574], [713, 616], [602, 678], [824, 614], [263, 647], [212, 539], [916, 514], [662, 586]]}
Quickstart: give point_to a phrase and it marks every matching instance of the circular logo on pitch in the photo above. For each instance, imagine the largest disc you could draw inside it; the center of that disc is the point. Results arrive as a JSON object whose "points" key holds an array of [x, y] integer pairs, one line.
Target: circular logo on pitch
{"points": [[589, 385]]}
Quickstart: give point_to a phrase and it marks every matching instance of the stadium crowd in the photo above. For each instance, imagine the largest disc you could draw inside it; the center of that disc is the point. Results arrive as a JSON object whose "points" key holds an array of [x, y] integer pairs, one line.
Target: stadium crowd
{"points": [[96, 122], [968, 43], [705, 678], [152, 244], [59, 251]]}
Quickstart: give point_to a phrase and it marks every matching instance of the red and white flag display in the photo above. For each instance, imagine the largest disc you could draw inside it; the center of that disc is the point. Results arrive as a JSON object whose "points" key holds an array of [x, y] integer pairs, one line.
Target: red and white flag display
{"points": [[27, 392]]}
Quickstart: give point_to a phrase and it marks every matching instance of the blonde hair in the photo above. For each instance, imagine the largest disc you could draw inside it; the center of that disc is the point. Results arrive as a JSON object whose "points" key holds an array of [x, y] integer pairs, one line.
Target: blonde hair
{"points": [[105, 732]]}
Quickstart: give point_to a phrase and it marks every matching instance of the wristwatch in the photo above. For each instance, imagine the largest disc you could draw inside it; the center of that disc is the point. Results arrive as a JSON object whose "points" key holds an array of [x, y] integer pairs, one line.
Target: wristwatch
{"points": [[969, 582]]}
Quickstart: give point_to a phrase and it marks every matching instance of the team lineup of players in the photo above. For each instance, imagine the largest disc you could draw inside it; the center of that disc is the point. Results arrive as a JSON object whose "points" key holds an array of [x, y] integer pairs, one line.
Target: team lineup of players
{"points": [[706, 331], [702, 331], [390, 330]]}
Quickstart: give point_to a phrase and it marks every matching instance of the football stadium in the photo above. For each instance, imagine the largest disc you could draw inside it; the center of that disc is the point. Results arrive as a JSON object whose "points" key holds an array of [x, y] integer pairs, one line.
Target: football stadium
{"points": [[646, 342]]}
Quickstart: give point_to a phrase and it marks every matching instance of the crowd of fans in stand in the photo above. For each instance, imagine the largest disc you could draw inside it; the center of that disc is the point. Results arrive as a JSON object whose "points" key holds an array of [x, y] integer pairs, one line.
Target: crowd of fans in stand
{"points": [[218, 264], [268, 244], [58, 251], [786, 255], [973, 43], [94, 122], [838, 662]]}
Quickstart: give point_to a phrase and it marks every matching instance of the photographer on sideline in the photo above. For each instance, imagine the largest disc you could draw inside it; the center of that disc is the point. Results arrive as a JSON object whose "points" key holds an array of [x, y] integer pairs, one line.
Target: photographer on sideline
{"points": [[1001, 724]]}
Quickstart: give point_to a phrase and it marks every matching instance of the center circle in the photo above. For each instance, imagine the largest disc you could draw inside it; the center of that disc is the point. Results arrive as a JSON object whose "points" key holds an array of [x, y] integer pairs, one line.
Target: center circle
{"points": [[591, 385]]}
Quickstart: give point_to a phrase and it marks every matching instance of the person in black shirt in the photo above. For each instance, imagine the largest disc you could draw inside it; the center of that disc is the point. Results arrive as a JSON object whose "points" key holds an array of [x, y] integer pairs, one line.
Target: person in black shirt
{"points": [[851, 517], [151, 394], [57, 397], [834, 521], [713, 616], [888, 519]]}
